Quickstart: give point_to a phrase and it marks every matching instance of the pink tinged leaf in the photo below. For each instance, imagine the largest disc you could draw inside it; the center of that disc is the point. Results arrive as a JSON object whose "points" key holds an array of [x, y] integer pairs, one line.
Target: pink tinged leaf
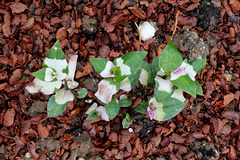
{"points": [[150, 112], [105, 91], [102, 112], [63, 96], [46, 88], [178, 94], [34, 86], [92, 108], [72, 67], [107, 71], [71, 72], [183, 70], [178, 70], [158, 109], [125, 85], [164, 85]]}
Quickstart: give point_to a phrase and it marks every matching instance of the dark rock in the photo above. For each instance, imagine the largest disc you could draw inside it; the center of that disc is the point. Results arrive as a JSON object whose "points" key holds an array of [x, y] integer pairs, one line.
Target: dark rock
{"points": [[208, 15], [191, 46], [38, 107], [89, 26], [90, 83], [147, 127], [205, 150]]}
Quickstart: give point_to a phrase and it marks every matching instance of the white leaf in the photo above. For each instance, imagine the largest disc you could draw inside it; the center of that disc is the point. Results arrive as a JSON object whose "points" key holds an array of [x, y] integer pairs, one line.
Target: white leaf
{"points": [[123, 96], [107, 71], [58, 65], [49, 75], [72, 67], [178, 94], [102, 112], [105, 91], [63, 96], [92, 108], [125, 69], [125, 85], [164, 85], [143, 78], [46, 88], [161, 72]]}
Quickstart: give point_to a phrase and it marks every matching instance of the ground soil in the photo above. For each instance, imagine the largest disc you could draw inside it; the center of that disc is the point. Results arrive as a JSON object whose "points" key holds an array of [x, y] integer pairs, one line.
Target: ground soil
{"points": [[207, 128]]}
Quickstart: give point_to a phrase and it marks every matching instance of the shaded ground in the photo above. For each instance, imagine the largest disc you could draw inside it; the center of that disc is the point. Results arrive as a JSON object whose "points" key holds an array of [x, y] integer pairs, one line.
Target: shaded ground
{"points": [[105, 29]]}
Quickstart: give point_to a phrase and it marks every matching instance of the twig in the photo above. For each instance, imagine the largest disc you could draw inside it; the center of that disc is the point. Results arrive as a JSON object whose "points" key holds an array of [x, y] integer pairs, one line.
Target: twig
{"points": [[175, 24], [139, 35]]}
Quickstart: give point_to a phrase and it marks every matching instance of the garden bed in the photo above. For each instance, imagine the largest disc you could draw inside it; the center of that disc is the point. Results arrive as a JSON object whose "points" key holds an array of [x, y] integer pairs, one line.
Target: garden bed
{"points": [[207, 128]]}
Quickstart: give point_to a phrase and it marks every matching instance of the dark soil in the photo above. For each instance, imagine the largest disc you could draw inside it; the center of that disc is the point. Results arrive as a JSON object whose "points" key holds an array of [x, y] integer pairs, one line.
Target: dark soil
{"points": [[208, 126], [208, 15]]}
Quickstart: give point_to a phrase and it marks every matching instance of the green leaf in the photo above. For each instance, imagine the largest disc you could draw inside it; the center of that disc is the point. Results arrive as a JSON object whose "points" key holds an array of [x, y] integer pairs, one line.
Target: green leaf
{"points": [[132, 60], [155, 66], [118, 75], [127, 121], [198, 88], [172, 107], [134, 78], [92, 115], [40, 74], [146, 76], [170, 58], [141, 107], [198, 64], [186, 84], [125, 102], [82, 93], [99, 64], [56, 52], [112, 108], [54, 109], [141, 54], [65, 70], [161, 95], [164, 91]]}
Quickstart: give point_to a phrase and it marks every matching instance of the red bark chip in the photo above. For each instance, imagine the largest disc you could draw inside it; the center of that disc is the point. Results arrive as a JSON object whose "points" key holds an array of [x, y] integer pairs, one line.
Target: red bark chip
{"points": [[9, 117], [228, 98], [42, 131], [17, 7]]}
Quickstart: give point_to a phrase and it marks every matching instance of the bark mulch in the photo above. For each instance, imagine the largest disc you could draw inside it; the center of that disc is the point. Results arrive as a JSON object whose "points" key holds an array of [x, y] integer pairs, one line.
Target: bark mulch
{"points": [[208, 127]]}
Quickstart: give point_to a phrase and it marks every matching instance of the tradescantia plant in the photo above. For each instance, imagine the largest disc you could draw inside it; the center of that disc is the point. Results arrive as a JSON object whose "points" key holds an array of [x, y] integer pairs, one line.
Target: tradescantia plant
{"points": [[170, 73], [123, 73], [55, 73], [173, 76]]}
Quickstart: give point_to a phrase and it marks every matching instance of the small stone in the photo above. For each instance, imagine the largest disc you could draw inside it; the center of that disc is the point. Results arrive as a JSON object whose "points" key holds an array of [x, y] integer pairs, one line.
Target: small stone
{"points": [[28, 155], [89, 26], [147, 30], [130, 130]]}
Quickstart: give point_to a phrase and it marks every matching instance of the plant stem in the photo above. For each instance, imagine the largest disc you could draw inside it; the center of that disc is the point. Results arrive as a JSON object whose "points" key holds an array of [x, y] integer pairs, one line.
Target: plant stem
{"points": [[175, 24], [139, 35]]}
